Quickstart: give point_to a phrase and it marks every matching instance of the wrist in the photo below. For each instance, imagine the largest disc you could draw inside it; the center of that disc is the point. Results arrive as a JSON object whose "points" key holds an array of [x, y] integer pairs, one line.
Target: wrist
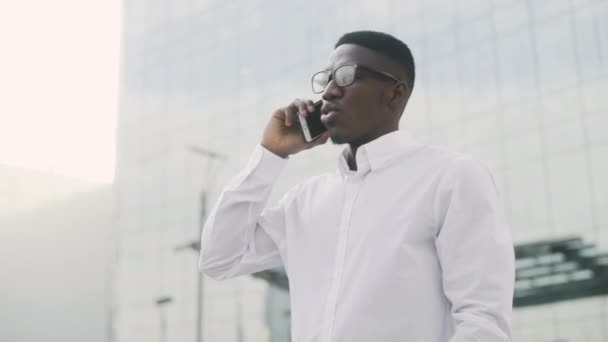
{"points": [[274, 151]]}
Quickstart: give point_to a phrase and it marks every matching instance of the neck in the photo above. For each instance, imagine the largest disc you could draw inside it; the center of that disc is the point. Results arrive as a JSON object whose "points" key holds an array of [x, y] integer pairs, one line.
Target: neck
{"points": [[351, 160]]}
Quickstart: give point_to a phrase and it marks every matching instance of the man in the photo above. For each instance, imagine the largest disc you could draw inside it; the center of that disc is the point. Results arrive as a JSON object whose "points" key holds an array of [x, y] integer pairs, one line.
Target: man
{"points": [[403, 242]]}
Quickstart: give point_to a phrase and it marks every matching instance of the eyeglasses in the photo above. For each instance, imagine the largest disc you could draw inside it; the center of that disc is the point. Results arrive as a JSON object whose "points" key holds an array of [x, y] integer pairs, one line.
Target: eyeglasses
{"points": [[344, 76]]}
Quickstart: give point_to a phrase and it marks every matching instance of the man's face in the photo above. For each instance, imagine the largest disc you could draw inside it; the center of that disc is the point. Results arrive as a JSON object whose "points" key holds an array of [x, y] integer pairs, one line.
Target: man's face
{"points": [[360, 110]]}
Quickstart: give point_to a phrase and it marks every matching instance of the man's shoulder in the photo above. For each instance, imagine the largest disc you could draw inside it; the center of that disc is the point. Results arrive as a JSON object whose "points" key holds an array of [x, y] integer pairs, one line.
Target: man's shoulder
{"points": [[438, 154], [449, 162], [457, 166]]}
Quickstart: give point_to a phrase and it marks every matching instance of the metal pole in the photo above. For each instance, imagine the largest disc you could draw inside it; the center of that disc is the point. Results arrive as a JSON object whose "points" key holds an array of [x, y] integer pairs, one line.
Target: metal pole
{"points": [[199, 309], [163, 325], [199, 278], [210, 155], [162, 303]]}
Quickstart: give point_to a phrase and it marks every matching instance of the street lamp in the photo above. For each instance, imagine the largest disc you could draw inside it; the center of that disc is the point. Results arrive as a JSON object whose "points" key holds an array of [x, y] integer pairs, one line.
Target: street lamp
{"points": [[162, 303], [195, 245]]}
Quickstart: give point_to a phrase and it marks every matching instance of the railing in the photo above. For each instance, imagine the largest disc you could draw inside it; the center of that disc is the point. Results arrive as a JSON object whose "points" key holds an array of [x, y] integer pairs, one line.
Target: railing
{"points": [[554, 270]]}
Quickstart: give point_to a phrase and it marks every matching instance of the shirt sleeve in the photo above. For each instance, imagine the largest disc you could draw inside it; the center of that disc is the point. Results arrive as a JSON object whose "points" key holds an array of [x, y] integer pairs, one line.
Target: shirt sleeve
{"points": [[476, 253], [239, 236]]}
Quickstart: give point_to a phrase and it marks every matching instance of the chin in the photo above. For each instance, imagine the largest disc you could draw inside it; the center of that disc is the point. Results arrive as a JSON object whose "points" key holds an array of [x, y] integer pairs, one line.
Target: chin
{"points": [[337, 138]]}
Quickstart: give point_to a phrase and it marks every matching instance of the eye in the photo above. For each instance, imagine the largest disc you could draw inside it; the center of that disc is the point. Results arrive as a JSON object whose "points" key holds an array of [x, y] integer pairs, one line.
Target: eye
{"points": [[322, 78], [320, 81], [345, 75]]}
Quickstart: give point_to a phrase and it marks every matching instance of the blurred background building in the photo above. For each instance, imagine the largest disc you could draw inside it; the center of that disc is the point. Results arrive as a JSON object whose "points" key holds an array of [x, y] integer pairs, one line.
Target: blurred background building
{"points": [[519, 83]]}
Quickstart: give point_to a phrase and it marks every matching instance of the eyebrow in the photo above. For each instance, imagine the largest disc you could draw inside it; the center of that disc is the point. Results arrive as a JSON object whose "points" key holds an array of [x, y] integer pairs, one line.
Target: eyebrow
{"points": [[330, 68]]}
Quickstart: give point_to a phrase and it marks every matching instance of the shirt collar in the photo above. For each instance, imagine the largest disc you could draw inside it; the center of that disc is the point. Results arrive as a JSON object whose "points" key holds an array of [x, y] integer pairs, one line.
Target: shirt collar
{"points": [[378, 152]]}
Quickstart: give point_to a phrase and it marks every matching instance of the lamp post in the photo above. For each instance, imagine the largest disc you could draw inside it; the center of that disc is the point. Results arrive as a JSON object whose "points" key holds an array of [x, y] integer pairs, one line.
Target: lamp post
{"points": [[196, 244], [162, 303]]}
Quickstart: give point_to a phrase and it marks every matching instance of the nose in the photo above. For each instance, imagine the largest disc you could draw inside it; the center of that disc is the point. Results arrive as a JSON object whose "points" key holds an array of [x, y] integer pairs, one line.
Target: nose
{"points": [[332, 91]]}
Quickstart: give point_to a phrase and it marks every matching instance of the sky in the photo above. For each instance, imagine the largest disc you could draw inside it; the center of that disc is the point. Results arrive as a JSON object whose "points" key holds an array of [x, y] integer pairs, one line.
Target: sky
{"points": [[59, 74]]}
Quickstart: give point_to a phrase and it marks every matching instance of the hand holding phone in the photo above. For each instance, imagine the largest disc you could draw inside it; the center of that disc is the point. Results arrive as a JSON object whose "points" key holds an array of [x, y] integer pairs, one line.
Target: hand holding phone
{"points": [[284, 135]]}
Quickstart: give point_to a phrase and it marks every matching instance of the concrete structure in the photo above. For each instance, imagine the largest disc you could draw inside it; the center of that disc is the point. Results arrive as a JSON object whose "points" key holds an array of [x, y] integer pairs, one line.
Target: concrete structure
{"points": [[23, 189], [55, 255], [518, 83]]}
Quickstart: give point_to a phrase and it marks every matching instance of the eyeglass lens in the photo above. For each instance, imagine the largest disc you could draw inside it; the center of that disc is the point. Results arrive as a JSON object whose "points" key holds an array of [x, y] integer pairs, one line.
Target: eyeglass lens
{"points": [[344, 76]]}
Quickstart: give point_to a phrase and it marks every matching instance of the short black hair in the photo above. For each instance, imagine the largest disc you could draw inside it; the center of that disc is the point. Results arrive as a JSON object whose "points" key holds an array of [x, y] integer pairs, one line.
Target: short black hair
{"points": [[387, 45]]}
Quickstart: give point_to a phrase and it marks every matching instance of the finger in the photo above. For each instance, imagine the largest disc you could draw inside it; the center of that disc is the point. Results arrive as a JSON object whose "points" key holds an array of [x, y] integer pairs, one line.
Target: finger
{"points": [[303, 108], [300, 107], [296, 109], [290, 113], [322, 139], [310, 105]]}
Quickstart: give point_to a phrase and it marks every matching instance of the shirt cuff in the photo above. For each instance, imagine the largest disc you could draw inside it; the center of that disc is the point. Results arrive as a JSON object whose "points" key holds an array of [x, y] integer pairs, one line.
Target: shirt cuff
{"points": [[266, 164]]}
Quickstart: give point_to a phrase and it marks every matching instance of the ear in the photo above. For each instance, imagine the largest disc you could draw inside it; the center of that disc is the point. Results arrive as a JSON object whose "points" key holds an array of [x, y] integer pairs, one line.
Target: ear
{"points": [[399, 96]]}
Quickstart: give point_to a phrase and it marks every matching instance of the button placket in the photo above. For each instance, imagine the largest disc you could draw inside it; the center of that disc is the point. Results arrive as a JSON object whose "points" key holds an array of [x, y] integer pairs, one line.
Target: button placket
{"points": [[352, 188]]}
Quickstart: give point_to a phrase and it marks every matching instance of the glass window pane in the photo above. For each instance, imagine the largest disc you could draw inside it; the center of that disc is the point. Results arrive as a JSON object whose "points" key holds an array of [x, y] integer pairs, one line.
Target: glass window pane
{"points": [[443, 91], [512, 17], [569, 216], [516, 67], [478, 74], [528, 201], [555, 50]]}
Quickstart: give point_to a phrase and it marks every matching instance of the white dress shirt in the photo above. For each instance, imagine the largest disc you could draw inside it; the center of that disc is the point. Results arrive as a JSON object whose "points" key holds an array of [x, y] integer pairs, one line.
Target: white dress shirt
{"points": [[412, 246]]}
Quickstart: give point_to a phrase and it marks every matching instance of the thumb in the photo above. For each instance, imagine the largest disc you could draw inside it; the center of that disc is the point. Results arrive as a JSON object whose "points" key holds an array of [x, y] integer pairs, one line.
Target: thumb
{"points": [[321, 139]]}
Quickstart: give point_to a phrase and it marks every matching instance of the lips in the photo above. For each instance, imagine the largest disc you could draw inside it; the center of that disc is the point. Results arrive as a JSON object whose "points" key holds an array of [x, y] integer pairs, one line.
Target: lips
{"points": [[328, 119], [329, 113]]}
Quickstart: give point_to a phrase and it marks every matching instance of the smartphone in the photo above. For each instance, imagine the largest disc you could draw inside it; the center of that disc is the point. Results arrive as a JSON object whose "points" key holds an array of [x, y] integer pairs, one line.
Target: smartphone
{"points": [[312, 127]]}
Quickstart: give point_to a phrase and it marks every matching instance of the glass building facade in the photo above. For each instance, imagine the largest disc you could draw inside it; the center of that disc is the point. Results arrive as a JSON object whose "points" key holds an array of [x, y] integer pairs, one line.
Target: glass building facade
{"points": [[519, 83]]}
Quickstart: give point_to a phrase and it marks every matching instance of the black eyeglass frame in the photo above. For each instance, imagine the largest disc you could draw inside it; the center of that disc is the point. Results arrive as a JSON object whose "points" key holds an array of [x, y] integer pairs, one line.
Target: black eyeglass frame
{"points": [[332, 73]]}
